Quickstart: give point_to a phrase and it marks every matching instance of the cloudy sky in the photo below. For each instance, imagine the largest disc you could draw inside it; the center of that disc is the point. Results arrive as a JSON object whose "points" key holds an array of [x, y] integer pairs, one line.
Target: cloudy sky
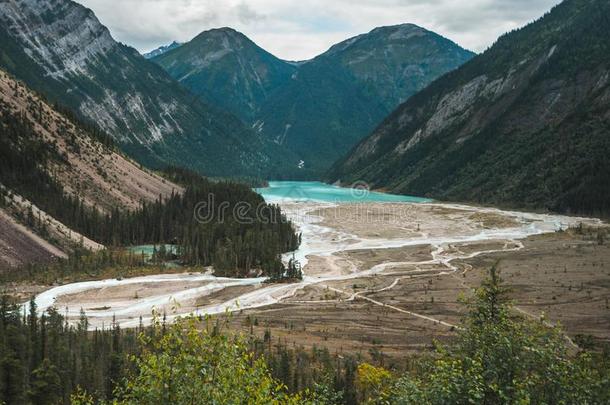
{"points": [[301, 29]]}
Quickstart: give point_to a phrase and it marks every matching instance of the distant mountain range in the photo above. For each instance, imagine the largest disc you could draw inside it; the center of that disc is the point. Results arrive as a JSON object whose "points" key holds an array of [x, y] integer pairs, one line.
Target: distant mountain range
{"points": [[227, 107], [317, 109], [161, 50], [525, 124], [227, 69], [61, 50]]}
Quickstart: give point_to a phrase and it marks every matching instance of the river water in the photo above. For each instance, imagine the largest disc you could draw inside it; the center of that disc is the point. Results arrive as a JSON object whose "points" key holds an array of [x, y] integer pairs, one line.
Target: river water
{"points": [[301, 202]]}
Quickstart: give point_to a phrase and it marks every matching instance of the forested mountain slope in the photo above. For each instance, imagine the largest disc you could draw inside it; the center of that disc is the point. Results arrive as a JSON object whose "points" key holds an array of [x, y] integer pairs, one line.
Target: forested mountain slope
{"points": [[60, 49], [319, 108], [67, 184], [50, 168], [83, 161], [525, 124], [227, 69]]}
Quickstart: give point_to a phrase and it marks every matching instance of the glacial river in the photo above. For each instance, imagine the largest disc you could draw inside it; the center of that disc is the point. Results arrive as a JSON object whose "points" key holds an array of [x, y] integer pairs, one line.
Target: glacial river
{"points": [[130, 299]]}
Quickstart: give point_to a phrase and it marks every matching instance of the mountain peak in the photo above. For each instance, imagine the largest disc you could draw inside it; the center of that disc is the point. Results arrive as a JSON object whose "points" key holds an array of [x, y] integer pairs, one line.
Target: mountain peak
{"points": [[88, 38], [222, 33], [226, 68], [226, 30], [404, 27], [321, 107], [161, 50], [398, 32], [68, 55], [393, 59]]}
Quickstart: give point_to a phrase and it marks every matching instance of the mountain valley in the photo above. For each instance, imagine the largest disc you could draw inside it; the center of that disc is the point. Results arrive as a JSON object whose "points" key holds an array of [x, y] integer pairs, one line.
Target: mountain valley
{"points": [[525, 124], [396, 220], [321, 107]]}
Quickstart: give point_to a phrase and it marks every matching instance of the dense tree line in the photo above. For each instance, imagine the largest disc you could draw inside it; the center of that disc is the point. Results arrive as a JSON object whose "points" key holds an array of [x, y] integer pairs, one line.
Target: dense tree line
{"points": [[223, 224], [497, 358], [220, 224], [43, 359], [82, 265]]}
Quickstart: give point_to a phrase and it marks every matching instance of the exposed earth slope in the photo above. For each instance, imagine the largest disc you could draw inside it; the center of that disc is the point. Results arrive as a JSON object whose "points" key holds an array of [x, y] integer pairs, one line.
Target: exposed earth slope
{"points": [[46, 155]]}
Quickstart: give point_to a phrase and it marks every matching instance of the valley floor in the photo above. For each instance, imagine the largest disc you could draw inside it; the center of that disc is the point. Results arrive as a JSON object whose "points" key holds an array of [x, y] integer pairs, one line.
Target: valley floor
{"points": [[398, 300], [382, 278]]}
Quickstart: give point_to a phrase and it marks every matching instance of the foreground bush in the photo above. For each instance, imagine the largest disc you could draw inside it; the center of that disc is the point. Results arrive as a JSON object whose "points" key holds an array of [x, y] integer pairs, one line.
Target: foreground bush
{"points": [[184, 364], [503, 359]]}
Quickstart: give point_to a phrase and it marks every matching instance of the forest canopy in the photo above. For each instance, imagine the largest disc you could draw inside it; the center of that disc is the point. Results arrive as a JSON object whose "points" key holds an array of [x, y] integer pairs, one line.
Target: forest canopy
{"points": [[497, 358]]}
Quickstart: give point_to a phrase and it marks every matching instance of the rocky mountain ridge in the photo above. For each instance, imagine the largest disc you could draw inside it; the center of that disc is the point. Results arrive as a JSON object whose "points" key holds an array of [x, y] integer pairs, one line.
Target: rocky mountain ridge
{"points": [[161, 50], [60, 49], [524, 124]]}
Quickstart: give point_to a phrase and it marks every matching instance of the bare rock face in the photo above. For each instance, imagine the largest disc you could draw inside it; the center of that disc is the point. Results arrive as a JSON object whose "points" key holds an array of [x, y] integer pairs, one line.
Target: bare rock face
{"points": [[161, 50], [523, 124], [62, 46], [60, 49]]}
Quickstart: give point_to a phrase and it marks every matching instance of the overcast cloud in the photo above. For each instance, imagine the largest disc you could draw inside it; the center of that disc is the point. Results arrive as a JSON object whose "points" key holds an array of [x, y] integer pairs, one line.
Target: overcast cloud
{"points": [[302, 29]]}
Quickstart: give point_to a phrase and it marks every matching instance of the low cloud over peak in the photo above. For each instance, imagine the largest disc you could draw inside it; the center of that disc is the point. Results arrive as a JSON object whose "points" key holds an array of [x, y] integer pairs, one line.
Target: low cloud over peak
{"points": [[302, 29]]}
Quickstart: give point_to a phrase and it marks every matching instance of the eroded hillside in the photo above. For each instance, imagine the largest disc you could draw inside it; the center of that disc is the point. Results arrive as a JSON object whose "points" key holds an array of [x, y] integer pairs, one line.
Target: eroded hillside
{"points": [[46, 155]]}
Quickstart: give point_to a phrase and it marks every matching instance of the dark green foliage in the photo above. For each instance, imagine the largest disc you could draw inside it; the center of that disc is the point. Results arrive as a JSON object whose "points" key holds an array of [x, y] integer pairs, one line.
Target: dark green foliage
{"points": [[329, 375], [500, 358], [533, 135], [23, 155], [239, 81], [43, 360], [45, 384], [82, 264], [277, 272]]}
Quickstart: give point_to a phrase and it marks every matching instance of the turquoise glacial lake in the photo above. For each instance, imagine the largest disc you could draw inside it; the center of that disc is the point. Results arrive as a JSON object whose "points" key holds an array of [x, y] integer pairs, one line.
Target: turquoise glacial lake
{"points": [[315, 191], [147, 250]]}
